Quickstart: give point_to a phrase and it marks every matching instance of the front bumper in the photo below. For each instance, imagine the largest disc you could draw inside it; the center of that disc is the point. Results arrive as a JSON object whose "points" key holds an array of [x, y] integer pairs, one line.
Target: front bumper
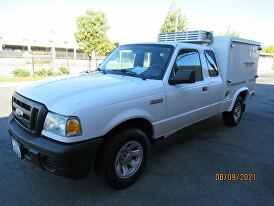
{"points": [[73, 160]]}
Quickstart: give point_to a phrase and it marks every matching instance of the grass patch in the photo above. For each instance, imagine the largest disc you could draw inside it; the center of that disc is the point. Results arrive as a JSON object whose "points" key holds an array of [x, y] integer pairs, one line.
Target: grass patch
{"points": [[19, 79]]}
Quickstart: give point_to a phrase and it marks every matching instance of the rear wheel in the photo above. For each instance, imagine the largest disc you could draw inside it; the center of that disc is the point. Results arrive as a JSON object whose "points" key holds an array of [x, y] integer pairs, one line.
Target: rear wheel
{"points": [[123, 158], [233, 118]]}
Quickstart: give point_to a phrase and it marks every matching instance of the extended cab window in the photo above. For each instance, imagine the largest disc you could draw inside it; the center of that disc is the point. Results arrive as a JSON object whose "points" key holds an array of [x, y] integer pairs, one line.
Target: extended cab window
{"points": [[189, 59], [211, 63]]}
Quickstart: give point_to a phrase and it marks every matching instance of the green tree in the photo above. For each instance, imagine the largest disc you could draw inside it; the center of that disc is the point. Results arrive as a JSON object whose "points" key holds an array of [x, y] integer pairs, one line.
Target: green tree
{"points": [[169, 24], [232, 33], [269, 49], [91, 33]]}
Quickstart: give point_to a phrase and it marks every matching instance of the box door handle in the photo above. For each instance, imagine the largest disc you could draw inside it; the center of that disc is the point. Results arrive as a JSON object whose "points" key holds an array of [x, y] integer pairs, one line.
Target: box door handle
{"points": [[250, 62]]}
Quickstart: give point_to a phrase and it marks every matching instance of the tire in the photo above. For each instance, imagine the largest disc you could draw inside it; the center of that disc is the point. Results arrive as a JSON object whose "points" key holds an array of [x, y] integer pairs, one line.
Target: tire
{"points": [[233, 118], [124, 157]]}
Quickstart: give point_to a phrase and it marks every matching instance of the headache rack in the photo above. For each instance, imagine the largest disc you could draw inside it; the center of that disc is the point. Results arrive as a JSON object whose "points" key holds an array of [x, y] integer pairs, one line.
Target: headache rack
{"points": [[198, 37]]}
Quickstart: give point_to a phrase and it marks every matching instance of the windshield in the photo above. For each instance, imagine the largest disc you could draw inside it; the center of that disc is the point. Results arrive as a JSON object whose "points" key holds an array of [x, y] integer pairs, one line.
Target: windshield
{"points": [[146, 61]]}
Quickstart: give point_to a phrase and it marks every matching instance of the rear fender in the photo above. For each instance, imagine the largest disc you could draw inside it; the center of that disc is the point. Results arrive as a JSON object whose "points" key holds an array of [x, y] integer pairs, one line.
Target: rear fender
{"points": [[235, 97]]}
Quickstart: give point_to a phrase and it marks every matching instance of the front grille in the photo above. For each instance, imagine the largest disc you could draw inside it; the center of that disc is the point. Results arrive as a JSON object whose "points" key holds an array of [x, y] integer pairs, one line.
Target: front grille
{"points": [[23, 113], [28, 113]]}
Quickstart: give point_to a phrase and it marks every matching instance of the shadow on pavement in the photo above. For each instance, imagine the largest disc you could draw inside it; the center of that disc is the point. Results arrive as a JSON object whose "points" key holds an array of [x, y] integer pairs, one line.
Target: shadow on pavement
{"points": [[3, 131]]}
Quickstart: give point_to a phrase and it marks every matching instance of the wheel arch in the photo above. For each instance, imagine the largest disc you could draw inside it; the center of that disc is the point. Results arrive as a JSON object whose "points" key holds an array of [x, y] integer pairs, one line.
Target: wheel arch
{"points": [[243, 92], [139, 122]]}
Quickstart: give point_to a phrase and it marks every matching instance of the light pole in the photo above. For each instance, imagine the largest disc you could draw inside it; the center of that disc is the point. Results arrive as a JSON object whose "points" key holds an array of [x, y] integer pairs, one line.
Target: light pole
{"points": [[53, 55], [177, 16], [66, 43], [1, 47], [32, 61]]}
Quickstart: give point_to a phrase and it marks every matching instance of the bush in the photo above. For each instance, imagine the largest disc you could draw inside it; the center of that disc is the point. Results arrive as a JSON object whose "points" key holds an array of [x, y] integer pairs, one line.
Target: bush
{"points": [[64, 70], [21, 73], [44, 72]]}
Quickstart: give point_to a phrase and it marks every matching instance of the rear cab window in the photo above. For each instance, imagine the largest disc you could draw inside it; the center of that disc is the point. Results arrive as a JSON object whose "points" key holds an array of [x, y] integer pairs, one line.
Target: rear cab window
{"points": [[211, 62]]}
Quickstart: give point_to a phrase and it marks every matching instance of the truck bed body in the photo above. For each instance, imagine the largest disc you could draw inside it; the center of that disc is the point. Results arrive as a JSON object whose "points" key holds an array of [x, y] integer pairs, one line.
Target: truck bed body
{"points": [[238, 60]]}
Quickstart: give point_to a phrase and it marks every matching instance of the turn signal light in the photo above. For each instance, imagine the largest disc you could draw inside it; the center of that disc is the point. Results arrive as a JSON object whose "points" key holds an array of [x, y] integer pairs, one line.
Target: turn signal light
{"points": [[73, 127]]}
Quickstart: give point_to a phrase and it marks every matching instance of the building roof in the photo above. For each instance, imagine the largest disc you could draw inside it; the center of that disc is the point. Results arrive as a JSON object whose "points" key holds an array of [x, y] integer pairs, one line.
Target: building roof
{"points": [[6, 40]]}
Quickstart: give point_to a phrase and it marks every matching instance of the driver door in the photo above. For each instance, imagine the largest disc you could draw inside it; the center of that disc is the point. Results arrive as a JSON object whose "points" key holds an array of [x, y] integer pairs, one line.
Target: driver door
{"points": [[187, 103]]}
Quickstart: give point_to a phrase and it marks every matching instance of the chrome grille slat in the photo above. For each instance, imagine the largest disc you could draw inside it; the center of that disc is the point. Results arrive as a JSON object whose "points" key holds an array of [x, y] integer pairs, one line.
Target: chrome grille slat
{"points": [[23, 122], [27, 112], [22, 104], [21, 118]]}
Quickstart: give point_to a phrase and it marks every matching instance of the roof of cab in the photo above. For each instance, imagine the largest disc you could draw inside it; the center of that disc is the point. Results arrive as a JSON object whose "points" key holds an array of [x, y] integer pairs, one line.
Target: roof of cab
{"points": [[172, 43]]}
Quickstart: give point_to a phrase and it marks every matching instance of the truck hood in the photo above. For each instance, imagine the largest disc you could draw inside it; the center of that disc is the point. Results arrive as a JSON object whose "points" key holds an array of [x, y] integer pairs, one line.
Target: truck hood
{"points": [[62, 93]]}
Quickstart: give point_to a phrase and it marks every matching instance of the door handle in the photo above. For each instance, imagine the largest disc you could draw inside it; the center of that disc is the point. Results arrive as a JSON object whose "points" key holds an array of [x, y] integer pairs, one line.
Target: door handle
{"points": [[250, 62], [205, 88]]}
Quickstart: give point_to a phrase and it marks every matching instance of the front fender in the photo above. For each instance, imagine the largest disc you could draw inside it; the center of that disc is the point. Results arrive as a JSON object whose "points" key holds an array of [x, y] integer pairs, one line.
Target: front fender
{"points": [[235, 97], [125, 116]]}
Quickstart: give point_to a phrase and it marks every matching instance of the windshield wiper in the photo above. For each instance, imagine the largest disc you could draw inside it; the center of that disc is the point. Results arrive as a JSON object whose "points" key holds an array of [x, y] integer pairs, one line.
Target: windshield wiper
{"points": [[101, 70], [131, 73]]}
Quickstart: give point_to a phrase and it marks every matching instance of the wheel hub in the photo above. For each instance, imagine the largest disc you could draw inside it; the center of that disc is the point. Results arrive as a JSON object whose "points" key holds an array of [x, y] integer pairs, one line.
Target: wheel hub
{"points": [[237, 112], [128, 159]]}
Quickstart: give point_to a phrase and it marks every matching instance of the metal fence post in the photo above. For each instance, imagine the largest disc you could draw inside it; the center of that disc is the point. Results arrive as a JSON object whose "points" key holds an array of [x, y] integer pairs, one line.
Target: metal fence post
{"points": [[67, 58], [32, 61]]}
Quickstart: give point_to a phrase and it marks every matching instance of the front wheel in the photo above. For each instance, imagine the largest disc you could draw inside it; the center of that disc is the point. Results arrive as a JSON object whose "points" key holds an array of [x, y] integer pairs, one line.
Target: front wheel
{"points": [[124, 157], [233, 118]]}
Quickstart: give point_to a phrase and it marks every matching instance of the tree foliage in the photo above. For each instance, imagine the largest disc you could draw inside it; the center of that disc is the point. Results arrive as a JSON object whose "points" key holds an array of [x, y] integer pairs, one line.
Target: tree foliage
{"points": [[91, 33], [232, 33], [269, 49], [169, 24]]}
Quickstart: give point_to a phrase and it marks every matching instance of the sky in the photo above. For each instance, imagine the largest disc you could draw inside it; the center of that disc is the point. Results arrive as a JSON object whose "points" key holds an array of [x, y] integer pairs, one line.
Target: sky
{"points": [[135, 21]]}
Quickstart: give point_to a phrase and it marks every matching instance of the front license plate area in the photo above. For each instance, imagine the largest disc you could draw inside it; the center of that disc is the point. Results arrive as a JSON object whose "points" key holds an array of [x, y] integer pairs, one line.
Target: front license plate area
{"points": [[16, 148]]}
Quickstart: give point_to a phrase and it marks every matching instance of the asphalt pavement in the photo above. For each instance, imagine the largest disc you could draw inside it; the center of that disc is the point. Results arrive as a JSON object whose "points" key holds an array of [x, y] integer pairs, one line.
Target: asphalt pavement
{"points": [[181, 170]]}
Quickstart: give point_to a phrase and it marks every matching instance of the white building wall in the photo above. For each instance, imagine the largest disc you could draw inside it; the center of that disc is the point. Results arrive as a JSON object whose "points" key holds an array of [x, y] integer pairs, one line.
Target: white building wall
{"points": [[265, 64]]}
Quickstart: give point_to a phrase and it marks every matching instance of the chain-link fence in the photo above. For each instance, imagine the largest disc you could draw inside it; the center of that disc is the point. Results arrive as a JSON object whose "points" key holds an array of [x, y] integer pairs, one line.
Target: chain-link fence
{"points": [[33, 61], [57, 54]]}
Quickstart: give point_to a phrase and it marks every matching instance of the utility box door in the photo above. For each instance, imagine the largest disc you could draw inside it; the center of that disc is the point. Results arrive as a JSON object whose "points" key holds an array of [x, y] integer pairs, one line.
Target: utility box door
{"points": [[243, 65]]}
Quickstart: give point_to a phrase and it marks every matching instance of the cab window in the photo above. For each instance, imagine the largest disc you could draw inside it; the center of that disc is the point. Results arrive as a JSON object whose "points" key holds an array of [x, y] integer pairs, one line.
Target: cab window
{"points": [[211, 63], [189, 59]]}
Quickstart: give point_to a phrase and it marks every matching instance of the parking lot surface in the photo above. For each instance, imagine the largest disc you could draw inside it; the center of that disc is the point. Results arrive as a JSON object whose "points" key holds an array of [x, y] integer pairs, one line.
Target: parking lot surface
{"points": [[180, 171]]}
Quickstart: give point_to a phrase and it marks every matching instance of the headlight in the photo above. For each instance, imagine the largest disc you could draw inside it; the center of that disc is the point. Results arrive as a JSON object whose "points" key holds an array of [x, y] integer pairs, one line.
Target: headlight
{"points": [[62, 125]]}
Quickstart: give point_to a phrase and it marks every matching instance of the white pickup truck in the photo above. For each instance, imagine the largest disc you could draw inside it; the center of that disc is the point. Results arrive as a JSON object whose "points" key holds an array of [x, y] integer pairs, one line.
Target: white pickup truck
{"points": [[140, 93]]}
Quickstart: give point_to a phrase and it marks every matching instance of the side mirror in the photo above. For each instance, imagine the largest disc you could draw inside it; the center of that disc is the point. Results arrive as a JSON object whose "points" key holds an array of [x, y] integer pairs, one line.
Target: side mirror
{"points": [[183, 76]]}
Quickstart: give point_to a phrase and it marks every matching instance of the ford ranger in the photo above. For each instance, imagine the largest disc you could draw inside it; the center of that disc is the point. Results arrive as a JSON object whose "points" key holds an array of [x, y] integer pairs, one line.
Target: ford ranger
{"points": [[107, 119]]}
